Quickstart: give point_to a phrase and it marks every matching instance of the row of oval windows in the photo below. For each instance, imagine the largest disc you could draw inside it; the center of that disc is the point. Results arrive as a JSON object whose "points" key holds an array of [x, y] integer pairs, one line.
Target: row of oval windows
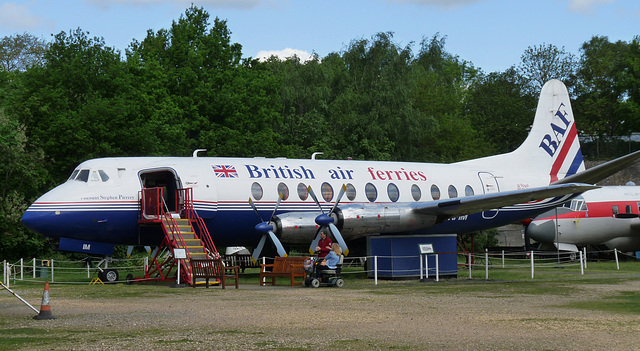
{"points": [[370, 191]]}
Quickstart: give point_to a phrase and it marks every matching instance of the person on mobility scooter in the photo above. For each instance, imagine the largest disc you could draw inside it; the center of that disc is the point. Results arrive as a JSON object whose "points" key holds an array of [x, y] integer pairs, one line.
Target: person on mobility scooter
{"points": [[327, 270]]}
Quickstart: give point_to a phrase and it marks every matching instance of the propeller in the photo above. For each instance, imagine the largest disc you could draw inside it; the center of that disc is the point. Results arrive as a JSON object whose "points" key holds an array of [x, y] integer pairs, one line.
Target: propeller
{"points": [[325, 220], [266, 228]]}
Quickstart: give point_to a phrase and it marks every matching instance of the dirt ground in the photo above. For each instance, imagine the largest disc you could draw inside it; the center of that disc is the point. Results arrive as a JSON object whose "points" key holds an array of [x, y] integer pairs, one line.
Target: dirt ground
{"points": [[393, 315]]}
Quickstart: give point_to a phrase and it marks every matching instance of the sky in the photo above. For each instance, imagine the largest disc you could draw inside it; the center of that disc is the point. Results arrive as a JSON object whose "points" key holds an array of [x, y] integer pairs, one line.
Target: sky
{"points": [[491, 34]]}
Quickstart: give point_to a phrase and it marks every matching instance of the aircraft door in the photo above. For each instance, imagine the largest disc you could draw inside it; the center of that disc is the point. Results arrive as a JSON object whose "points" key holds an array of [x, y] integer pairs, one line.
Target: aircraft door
{"points": [[168, 180], [489, 185]]}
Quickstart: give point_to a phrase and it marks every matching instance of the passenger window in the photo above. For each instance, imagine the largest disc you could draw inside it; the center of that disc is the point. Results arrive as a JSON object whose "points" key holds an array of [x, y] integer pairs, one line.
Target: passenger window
{"points": [[393, 192], [615, 209], [351, 192], [416, 192], [627, 208], [283, 191], [468, 191], [303, 193], [435, 192], [327, 192], [453, 192], [371, 192], [256, 191]]}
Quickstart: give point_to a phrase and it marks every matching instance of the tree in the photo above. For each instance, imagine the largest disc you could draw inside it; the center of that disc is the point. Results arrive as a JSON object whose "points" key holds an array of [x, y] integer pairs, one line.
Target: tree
{"points": [[22, 176], [545, 62], [442, 82], [200, 92], [606, 103], [21, 51], [501, 110]]}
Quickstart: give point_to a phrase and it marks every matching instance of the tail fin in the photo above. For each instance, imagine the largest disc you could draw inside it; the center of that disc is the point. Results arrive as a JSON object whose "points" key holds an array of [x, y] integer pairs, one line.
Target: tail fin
{"points": [[553, 141], [552, 147]]}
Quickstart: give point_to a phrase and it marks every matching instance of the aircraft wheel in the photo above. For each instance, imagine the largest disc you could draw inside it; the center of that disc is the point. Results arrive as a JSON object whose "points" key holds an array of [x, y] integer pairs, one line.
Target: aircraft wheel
{"points": [[339, 282], [110, 276], [315, 283]]}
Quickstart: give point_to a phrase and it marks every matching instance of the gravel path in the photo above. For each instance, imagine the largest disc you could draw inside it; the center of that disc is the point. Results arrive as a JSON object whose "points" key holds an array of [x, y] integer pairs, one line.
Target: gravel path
{"points": [[281, 317]]}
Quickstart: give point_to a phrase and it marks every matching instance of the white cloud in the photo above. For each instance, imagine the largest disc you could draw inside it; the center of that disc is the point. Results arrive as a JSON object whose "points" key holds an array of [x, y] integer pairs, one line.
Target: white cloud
{"points": [[586, 6], [16, 17], [283, 54]]}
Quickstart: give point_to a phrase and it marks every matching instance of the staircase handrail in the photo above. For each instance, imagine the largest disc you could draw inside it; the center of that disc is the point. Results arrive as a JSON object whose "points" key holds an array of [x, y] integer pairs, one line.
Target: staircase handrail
{"points": [[193, 217]]}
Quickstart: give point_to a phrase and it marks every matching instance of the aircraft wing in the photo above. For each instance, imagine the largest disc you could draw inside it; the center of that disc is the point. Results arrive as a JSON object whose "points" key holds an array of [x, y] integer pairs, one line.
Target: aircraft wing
{"points": [[485, 202], [600, 172]]}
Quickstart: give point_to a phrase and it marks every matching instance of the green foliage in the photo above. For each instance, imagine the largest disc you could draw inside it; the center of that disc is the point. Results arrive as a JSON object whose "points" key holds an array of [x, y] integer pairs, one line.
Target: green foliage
{"points": [[500, 110]]}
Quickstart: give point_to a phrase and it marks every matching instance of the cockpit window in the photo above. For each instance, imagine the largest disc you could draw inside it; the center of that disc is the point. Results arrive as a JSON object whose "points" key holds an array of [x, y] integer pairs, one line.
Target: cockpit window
{"points": [[103, 175], [83, 175], [74, 174], [577, 205]]}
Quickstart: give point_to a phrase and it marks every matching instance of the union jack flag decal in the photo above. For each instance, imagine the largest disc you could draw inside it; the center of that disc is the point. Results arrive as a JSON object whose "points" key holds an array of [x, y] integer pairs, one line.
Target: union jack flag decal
{"points": [[225, 171]]}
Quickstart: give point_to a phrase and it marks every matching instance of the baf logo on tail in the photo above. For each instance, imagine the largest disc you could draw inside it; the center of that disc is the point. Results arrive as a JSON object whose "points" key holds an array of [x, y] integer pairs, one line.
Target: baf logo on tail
{"points": [[568, 158]]}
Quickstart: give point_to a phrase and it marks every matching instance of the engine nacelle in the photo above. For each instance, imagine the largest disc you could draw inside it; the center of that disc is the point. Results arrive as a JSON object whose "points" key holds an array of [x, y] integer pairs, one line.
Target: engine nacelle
{"points": [[354, 221], [297, 227], [357, 220]]}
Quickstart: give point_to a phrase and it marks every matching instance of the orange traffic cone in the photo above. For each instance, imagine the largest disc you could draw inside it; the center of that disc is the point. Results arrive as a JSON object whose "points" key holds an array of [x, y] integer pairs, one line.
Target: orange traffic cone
{"points": [[45, 308]]}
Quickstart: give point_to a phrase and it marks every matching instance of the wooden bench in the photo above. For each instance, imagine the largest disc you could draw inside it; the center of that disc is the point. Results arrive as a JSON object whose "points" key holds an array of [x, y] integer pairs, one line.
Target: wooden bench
{"points": [[213, 269], [288, 267], [242, 260]]}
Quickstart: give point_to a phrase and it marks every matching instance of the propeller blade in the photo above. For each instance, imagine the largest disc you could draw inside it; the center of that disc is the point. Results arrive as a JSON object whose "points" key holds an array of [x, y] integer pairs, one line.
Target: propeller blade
{"points": [[276, 208], [340, 195], [314, 243], [279, 247], [255, 209], [339, 239], [258, 249], [313, 196]]}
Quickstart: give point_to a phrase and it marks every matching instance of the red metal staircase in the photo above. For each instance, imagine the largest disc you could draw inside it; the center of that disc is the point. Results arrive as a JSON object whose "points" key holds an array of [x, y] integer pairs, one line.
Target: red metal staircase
{"points": [[182, 228]]}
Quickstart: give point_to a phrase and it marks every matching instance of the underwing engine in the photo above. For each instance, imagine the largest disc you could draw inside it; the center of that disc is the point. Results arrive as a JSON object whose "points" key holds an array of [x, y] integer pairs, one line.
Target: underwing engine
{"points": [[354, 221]]}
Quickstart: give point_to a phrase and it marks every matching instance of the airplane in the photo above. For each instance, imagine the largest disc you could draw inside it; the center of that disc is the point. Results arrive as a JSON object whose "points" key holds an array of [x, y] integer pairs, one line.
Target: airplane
{"points": [[607, 216], [109, 201]]}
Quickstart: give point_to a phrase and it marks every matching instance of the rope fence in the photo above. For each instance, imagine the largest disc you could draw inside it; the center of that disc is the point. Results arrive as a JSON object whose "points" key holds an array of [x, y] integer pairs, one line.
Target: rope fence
{"points": [[480, 265]]}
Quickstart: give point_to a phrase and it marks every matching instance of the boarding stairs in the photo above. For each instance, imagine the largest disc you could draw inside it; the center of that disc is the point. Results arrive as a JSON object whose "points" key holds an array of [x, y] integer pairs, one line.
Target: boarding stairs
{"points": [[182, 229]]}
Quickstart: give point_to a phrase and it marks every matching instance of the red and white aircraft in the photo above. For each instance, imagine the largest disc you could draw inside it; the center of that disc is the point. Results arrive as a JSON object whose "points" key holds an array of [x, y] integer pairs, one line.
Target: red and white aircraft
{"points": [[607, 216], [100, 203]]}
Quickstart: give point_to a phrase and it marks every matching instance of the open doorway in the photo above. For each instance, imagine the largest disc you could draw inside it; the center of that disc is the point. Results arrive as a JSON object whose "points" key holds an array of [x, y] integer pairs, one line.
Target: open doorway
{"points": [[168, 180]]}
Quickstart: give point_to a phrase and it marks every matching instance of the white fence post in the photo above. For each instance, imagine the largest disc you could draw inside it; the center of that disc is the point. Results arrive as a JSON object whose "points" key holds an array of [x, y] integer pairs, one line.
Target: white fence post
{"points": [[531, 264], [437, 269], [420, 261], [34, 268], [581, 266], [469, 265], [21, 268], [52, 270], [426, 265], [615, 251], [4, 272], [486, 264], [375, 269], [502, 258], [585, 256]]}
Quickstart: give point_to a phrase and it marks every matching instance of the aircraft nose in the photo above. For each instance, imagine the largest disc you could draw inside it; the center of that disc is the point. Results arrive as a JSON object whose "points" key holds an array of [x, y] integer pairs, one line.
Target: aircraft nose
{"points": [[38, 222], [542, 230]]}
